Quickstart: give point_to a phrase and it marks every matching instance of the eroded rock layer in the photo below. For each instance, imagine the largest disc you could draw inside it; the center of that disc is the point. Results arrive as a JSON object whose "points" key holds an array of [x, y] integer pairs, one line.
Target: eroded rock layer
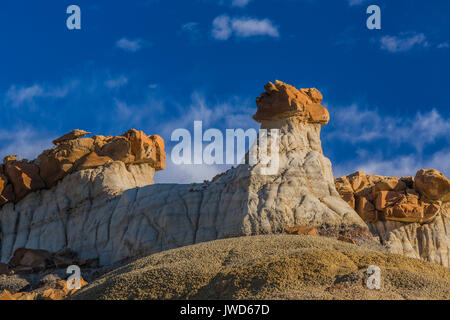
{"points": [[73, 153], [411, 215]]}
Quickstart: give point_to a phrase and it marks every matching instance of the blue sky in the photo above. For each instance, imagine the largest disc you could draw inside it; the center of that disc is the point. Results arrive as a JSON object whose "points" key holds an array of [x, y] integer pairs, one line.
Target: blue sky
{"points": [[159, 65]]}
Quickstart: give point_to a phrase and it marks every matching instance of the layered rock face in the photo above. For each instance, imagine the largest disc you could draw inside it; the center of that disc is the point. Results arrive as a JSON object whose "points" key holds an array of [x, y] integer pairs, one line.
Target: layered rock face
{"points": [[73, 153], [411, 215], [108, 213]]}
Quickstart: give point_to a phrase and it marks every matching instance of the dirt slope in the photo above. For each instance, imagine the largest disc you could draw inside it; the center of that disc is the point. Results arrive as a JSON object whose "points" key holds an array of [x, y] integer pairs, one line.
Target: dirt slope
{"points": [[271, 267]]}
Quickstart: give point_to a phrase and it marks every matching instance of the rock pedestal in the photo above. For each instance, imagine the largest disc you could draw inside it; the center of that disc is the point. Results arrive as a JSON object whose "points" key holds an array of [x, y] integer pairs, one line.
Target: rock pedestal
{"points": [[105, 207]]}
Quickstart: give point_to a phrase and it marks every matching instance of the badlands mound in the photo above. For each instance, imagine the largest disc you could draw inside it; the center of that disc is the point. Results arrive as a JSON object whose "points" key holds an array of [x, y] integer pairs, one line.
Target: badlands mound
{"points": [[271, 267]]}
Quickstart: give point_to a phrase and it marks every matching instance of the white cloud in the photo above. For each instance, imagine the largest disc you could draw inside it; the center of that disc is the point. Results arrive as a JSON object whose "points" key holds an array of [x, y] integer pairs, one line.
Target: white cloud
{"points": [[190, 26], [232, 3], [26, 142], [248, 27], [357, 125], [397, 166], [18, 96], [443, 45], [224, 27], [403, 42], [116, 82], [383, 142], [130, 45], [240, 3], [356, 2]]}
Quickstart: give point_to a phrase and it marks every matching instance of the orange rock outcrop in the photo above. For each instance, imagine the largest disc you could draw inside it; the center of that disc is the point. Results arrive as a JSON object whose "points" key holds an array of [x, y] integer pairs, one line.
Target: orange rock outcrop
{"points": [[282, 100], [407, 199], [74, 152], [59, 291]]}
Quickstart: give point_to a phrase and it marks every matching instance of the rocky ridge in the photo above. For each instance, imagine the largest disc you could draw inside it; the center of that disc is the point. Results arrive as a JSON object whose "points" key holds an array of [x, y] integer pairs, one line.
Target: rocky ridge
{"points": [[411, 215], [73, 153]]}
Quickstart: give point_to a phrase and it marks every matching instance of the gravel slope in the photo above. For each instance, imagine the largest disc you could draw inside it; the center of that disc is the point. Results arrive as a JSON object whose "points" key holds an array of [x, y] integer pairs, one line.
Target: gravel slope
{"points": [[271, 267]]}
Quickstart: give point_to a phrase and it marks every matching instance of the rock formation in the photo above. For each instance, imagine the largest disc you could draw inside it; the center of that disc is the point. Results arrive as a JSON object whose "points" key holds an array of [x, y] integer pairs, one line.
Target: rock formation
{"points": [[411, 215], [105, 207], [18, 178]]}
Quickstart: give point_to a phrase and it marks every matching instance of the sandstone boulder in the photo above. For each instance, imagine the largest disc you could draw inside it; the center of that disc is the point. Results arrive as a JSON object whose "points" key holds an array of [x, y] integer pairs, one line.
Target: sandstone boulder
{"points": [[282, 101], [23, 175], [147, 149], [73, 135], [432, 184]]}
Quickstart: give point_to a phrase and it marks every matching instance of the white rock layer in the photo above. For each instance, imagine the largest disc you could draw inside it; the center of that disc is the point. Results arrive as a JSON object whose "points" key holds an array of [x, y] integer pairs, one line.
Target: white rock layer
{"points": [[430, 242], [114, 212]]}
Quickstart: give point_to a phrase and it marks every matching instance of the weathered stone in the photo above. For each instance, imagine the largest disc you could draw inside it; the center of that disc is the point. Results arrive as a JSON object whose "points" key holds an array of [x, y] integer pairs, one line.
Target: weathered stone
{"points": [[358, 181], [349, 198], [407, 221], [366, 209], [282, 101], [390, 184], [91, 161], [387, 199], [432, 184], [73, 135], [23, 175], [302, 230], [391, 198], [56, 163], [147, 149]]}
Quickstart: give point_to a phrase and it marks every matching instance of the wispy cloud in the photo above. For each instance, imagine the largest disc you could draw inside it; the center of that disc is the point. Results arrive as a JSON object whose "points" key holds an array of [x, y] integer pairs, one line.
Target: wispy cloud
{"points": [[403, 42], [116, 82], [25, 141], [192, 30], [224, 27], [21, 95], [356, 2], [382, 142], [357, 125], [240, 3], [231, 3], [443, 45], [397, 166], [130, 45]]}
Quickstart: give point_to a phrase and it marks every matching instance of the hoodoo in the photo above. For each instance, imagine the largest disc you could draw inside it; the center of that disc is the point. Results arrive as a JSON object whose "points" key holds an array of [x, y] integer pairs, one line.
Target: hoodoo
{"points": [[96, 195]]}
